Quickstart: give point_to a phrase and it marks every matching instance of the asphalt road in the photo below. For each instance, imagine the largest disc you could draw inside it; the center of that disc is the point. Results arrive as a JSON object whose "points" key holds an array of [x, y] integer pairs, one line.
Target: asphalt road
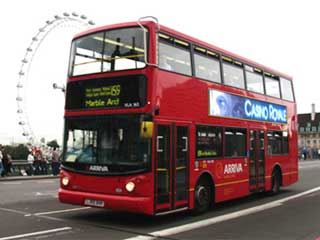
{"points": [[30, 210]]}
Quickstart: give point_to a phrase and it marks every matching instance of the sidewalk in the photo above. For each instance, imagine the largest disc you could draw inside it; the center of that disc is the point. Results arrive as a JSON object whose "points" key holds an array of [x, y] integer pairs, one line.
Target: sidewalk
{"points": [[309, 159], [33, 177]]}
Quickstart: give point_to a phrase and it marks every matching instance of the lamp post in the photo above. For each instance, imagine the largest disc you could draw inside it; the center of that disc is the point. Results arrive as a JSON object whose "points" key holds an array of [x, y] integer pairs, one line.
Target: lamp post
{"points": [[56, 86]]}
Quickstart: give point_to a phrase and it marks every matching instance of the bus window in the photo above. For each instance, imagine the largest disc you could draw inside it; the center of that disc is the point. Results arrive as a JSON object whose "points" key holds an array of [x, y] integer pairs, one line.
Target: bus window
{"points": [[114, 143], [208, 142], [112, 50], [235, 142], [278, 143], [207, 67], [86, 57], [286, 89], [82, 146], [254, 82], [174, 59], [272, 87], [233, 75]]}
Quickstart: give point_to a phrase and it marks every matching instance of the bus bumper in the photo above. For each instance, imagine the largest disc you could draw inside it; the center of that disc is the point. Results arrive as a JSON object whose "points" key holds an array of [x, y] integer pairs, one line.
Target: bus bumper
{"points": [[114, 202]]}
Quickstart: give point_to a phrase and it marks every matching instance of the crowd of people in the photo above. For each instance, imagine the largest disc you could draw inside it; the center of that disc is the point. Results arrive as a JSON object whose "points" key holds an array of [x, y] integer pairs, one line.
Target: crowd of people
{"points": [[38, 161], [309, 153]]}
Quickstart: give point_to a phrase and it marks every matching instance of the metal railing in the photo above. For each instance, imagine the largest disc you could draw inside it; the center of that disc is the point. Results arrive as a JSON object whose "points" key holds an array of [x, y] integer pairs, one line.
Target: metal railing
{"points": [[23, 168]]}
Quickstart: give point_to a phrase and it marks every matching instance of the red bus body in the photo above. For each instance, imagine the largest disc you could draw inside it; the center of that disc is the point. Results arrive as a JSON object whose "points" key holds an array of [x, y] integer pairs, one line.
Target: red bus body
{"points": [[179, 106]]}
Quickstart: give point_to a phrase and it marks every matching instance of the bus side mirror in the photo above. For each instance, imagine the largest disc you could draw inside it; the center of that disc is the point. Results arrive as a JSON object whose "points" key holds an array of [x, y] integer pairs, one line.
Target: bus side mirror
{"points": [[146, 129]]}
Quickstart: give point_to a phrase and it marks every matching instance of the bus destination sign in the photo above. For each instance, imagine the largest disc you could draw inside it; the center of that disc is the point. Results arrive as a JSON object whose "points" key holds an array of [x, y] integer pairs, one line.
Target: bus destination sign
{"points": [[105, 96], [124, 92]]}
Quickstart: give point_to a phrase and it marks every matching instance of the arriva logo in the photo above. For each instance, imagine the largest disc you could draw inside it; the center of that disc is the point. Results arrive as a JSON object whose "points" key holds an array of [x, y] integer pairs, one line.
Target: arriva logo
{"points": [[233, 168]]}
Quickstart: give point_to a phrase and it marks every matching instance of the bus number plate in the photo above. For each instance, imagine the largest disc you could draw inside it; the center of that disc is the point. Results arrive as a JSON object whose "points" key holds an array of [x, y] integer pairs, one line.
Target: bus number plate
{"points": [[94, 203]]}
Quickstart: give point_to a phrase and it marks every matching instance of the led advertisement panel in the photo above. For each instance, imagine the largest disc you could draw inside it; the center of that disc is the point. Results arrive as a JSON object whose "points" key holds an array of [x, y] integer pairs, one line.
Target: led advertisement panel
{"points": [[223, 104]]}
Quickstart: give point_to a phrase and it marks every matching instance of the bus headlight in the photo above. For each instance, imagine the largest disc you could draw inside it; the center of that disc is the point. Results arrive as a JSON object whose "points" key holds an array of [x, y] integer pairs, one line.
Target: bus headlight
{"points": [[65, 181], [130, 186]]}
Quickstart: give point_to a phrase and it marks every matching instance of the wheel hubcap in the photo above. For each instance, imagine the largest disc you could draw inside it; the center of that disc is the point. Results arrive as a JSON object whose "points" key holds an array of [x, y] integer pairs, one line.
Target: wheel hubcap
{"points": [[202, 196]]}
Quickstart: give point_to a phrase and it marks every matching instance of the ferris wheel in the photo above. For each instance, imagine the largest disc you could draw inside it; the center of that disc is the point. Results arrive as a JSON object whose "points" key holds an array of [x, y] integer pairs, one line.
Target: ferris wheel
{"points": [[66, 20]]}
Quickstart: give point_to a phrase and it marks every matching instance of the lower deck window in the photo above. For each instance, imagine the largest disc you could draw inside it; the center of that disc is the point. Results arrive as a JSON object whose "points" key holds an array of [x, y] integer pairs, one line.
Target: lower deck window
{"points": [[235, 142], [208, 142], [278, 143]]}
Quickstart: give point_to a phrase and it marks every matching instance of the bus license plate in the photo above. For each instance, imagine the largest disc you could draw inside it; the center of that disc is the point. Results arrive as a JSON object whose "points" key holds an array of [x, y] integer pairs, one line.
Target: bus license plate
{"points": [[94, 203]]}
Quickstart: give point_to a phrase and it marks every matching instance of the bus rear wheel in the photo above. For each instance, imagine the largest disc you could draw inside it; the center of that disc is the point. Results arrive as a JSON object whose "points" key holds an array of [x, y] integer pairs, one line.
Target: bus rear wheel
{"points": [[202, 197]]}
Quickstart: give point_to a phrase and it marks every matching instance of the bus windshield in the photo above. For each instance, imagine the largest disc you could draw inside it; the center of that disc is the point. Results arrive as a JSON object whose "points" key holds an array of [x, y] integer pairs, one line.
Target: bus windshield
{"points": [[112, 50], [106, 145]]}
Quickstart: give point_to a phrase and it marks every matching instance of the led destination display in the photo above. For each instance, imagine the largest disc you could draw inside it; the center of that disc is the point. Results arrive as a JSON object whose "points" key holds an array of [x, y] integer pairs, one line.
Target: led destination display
{"points": [[124, 92], [228, 105]]}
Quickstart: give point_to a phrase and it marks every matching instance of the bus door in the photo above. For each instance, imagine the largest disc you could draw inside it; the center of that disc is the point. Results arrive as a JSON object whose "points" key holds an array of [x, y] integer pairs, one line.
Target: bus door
{"points": [[257, 160], [171, 167]]}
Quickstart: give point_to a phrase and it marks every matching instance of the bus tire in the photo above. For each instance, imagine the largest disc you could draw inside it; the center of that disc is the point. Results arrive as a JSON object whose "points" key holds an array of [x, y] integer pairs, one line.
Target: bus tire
{"points": [[202, 197], [275, 182]]}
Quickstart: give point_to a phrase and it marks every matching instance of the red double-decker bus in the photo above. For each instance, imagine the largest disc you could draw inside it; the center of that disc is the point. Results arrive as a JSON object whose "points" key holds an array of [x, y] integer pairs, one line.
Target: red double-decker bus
{"points": [[158, 122]]}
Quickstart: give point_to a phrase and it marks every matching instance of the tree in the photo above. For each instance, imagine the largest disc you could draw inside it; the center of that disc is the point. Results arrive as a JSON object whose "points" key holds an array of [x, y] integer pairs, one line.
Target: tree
{"points": [[19, 152], [53, 144]]}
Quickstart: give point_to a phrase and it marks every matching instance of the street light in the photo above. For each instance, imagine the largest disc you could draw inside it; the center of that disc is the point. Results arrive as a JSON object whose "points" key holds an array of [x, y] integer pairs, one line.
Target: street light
{"points": [[56, 86]]}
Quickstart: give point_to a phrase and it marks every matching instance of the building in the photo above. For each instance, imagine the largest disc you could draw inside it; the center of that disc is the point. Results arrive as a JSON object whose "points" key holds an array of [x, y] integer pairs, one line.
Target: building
{"points": [[309, 134]]}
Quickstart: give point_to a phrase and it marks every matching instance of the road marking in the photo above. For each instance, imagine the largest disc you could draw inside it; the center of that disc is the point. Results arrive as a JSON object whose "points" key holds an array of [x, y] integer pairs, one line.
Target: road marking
{"points": [[12, 183], [53, 193], [12, 211], [36, 233], [46, 181], [222, 218], [59, 211]]}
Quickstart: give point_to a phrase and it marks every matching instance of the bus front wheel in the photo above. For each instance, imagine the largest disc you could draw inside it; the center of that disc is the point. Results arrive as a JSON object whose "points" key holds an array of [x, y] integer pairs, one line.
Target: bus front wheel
{"points": [[202, 197]]}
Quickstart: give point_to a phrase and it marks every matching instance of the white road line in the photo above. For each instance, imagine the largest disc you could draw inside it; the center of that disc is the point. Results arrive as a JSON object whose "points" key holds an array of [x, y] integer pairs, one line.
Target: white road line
{"points": [[12, 183], [12, 211], [46, 181], [58, 211], [222, 218], [36, 233]]}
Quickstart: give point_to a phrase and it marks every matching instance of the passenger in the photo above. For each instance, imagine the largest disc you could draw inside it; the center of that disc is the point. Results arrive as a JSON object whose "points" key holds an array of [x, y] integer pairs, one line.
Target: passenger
{"points": [[163, 63]]}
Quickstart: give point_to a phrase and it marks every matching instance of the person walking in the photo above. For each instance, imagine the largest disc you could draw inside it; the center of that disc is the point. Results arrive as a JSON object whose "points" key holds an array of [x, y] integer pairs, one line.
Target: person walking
{"points": [[1, 166], [55, 164], [30, 160], [6, 162]]}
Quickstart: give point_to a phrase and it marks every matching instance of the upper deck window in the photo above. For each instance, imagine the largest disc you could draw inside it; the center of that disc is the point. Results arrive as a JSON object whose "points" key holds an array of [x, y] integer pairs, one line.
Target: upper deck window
{"points": [[233, 73], [272, 87], [174, 55], [254, 80], [112, 50], [207, 65], [286, 89]]}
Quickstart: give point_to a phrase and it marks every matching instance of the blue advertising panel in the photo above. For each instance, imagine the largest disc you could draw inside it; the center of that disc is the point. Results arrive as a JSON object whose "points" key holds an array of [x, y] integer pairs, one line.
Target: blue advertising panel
{"points": [[228, 105]]}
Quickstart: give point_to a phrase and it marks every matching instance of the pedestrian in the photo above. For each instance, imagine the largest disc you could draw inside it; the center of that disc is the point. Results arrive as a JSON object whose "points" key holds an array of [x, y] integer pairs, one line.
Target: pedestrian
{"points": [[304, 153], [30, 160], [6, 162], [1, 166], [55, 164], [37, 162]]}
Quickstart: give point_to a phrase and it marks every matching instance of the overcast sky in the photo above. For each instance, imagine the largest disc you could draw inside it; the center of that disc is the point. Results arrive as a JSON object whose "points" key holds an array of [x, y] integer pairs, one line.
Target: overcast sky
{"points": [[283, 35]]}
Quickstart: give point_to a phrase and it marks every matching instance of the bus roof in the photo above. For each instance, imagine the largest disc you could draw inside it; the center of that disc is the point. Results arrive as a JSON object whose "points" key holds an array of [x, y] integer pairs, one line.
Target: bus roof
{"points": [[193, 40]]}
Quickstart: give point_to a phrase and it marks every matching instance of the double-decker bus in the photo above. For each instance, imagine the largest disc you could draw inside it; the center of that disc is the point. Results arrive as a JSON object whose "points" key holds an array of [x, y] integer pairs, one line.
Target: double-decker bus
{"points": [[158, 122]]}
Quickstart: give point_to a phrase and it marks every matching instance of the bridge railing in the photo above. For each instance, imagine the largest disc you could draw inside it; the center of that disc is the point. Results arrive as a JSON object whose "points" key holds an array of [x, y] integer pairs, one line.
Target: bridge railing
{"points": [[24, 168]]}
